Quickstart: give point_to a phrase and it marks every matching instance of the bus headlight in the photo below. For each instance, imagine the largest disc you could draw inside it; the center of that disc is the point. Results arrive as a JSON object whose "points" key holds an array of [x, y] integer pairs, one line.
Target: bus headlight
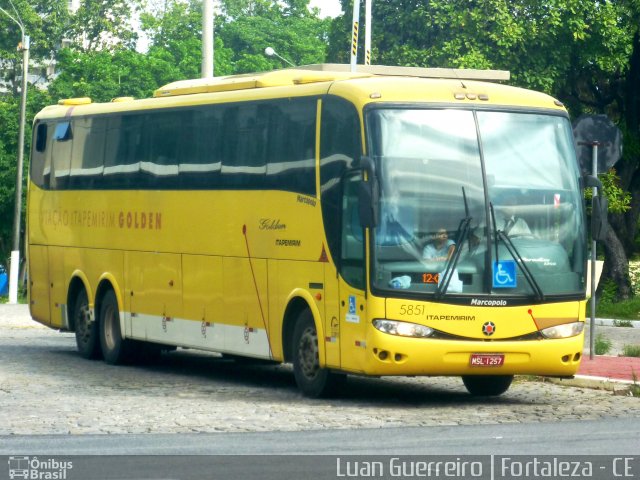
{"points": [[563, 331], [403, 329]]}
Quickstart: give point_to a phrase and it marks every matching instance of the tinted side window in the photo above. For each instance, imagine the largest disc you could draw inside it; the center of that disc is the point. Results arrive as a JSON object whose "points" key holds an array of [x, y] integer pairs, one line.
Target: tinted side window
{"points": [[41, 137], [292, 145], [126, 149], [201, 149], [61, 148], [87, 157], [248, 145], [40, 155], [245, 137]]}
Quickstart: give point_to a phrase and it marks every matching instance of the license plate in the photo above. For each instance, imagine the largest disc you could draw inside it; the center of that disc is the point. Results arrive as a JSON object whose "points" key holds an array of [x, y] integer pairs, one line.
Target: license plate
{"points": [[487, 359]]}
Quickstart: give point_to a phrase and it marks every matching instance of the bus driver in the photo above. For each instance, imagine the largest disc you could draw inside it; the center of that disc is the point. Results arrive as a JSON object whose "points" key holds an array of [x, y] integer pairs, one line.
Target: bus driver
{"points": [[440, 248]]}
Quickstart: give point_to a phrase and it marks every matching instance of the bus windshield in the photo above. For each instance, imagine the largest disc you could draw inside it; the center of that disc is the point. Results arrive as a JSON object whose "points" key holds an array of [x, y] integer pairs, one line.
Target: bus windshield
{"points": [[476, 202]]}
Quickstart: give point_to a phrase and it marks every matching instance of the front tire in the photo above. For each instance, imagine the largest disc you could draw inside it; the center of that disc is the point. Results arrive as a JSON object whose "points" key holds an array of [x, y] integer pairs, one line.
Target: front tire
{"points": [[115, 349], [487, 385], [313, 380], [86, 329]]}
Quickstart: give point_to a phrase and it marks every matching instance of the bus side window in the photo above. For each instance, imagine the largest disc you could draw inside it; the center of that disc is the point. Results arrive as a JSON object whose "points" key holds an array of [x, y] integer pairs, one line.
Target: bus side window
{"points": [[352, 264], [61, 155], [87, 159], [291, 146], [39, 156], [124, 151]]}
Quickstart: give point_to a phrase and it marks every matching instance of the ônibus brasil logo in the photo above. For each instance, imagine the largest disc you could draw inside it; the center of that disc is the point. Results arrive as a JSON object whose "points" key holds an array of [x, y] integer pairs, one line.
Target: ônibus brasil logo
{"points": [[36, 469]]}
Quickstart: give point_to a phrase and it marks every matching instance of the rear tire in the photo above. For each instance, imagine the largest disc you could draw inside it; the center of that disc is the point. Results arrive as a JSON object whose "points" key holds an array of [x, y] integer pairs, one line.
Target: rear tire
{"points": [[313, 380], [86, 329], [115, 349], [487, 385]]}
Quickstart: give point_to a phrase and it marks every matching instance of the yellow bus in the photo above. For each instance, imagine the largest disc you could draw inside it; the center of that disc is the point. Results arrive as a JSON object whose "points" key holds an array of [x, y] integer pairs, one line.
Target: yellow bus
{"points": [[349, 223]]}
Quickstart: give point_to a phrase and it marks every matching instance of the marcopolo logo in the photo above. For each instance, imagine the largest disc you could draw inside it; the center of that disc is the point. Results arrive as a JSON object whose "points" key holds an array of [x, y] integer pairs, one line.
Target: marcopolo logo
{"points": [[488, 303], [38, 469]]}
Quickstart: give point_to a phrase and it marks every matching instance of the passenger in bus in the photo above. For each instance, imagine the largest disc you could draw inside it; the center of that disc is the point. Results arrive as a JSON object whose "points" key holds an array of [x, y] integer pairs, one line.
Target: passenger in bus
{"points": [[440, 248]]}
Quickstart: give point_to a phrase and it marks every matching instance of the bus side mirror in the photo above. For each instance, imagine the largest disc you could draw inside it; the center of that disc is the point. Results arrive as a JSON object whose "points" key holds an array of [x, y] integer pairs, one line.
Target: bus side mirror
{"points": [[590, 181], [368, 194], [599, 207]]}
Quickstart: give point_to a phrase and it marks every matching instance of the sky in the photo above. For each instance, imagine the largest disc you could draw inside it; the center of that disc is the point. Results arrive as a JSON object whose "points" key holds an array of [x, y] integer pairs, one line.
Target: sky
{"points": [[328, 8]]}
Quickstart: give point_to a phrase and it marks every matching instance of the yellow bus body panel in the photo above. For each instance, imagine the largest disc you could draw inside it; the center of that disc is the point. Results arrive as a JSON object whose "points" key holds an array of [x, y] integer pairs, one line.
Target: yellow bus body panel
{"points": [[218, 269]]}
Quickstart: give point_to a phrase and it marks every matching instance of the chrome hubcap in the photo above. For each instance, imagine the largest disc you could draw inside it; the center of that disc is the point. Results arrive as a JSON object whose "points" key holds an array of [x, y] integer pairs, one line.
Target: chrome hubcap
{"points": [[308, 353]]}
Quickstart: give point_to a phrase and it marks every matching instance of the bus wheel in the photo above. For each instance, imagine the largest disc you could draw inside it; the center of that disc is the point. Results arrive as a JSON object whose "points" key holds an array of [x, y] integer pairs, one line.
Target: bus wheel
{"points": [[487, 385], [115, 349], [87, 338], [313, 380]]}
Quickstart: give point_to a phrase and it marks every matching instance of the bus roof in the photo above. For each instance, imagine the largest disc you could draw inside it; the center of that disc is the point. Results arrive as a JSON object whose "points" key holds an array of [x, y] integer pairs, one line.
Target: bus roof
{"points": [[368, 84], [321, 72]]}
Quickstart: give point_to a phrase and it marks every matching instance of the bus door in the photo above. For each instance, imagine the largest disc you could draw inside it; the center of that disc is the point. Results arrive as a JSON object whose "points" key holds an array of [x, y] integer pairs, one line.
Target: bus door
{"points": [[353, 310]]}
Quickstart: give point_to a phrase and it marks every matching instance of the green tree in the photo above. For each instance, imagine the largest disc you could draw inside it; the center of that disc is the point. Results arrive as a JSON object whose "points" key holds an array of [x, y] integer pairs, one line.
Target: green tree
{"points": [[249, 27], [104, 25], [44, 21], [175, 34], [9, 108]]}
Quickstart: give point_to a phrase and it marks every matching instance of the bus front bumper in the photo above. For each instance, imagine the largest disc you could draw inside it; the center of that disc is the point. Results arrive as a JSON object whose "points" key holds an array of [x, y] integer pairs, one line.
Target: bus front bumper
{"points": [[395, 355]]}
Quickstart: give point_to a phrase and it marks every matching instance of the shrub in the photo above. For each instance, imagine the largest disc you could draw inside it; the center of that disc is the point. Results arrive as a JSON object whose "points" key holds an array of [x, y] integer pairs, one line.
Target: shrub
{"points": [[631, 350], [602, 344]]}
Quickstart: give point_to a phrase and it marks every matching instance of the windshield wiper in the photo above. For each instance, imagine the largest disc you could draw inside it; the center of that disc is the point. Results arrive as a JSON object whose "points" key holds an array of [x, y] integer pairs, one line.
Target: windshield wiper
{"points": [[461, 235], [515, 254]]}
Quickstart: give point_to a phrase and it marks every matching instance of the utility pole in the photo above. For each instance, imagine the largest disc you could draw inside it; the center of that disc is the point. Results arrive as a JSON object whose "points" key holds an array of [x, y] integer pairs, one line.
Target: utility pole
{"points": [[207, 39], [14, 268], [367, 36], [354, 35]]}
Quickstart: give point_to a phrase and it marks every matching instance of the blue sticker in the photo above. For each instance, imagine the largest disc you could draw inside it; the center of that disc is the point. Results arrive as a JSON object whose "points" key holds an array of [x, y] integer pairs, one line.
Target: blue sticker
{"points": [[504, 274], [352, 304]]}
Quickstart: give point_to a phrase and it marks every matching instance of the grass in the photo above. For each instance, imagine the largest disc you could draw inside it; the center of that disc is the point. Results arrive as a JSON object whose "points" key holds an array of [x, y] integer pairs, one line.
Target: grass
{"points": [[631, 351], [625, 310], [609, 307], [602, 344], [622, 323], [634, 390], [22, 297]]}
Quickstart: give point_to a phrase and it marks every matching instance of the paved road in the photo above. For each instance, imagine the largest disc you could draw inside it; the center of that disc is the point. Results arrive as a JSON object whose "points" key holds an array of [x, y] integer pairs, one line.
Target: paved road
{"points": [[608, 436], [46, 388]]}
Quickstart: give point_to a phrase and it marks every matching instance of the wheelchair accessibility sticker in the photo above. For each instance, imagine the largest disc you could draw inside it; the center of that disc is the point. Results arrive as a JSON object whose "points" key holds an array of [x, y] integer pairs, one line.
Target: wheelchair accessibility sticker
{"points": [[352, 316], [504, 274]]}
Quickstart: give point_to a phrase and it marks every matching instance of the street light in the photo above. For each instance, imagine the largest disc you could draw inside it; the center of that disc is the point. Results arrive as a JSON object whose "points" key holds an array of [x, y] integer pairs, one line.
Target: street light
{"points": [[15, 253], [270, 52]]}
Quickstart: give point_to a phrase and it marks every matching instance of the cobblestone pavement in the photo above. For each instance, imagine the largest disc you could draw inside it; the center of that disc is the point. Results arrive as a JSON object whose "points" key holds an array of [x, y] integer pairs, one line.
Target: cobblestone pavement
{"points": [[46, 388]]}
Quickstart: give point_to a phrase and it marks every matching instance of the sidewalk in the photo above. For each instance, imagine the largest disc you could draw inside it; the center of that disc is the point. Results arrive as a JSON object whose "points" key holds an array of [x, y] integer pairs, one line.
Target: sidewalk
{"points": [[612, 371], [608, 368], [604, 372]]}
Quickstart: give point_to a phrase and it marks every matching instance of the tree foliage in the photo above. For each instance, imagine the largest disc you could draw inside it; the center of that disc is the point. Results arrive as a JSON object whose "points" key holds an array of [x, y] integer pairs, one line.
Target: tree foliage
{"points": [[248, 27], [103, 25]]}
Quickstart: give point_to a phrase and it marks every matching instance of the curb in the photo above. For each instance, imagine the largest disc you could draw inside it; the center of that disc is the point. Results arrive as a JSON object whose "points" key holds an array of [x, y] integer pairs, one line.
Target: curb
{"points": [[598, 383], [610, 322]]}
